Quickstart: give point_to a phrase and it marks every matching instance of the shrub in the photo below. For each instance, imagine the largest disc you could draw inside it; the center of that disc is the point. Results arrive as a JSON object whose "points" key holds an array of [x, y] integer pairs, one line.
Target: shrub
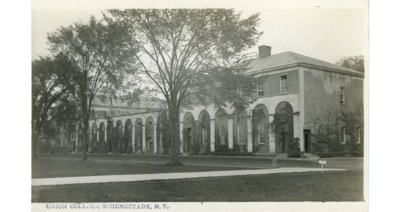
{"points": [[233, 153], [221, 148], [44, 146], [236, 148], [195, 149], [294, 148]]}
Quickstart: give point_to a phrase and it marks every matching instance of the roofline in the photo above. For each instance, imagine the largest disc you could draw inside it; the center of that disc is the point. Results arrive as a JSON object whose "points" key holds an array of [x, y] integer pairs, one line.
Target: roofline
{"points": [[97, 106], [354, 73], [130, 114]]}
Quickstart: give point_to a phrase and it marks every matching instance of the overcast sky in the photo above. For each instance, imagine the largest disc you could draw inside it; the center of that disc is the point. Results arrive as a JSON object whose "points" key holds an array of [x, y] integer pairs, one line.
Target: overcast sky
{"points": [[320, 30]]}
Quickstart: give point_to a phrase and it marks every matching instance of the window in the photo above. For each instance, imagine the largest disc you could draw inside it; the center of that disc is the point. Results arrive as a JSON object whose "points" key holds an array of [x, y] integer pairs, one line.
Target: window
{"points": [[357, 135], [343, 135], [204, 135], [260, 87], [284, 84], [342, 95], [222, 134], [260, 133], [239, 125]]}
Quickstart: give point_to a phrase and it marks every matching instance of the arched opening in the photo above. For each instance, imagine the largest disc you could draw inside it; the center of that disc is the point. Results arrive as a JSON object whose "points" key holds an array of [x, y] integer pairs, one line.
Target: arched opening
{"points": [[138, 135], [150, 135], [240, 130], [221, 131], [188, 132], [93, 142], [102, 137], [110, 132], [260, 126], [73, 143], [127, 139], [204, 132], [163, 133], [283, 126], [118, 138]]}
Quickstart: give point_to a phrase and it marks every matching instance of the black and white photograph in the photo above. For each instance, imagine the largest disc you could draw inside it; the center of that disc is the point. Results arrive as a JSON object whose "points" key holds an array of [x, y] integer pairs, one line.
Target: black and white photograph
{"points": [[199, 105]]}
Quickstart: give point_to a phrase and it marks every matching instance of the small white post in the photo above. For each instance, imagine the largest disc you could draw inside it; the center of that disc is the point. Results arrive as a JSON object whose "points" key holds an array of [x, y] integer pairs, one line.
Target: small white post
{"points": [[322, 162]]}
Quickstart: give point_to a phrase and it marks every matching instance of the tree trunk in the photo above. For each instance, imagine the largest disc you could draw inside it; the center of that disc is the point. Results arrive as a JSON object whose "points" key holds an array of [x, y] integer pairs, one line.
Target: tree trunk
{"points": [[85, 137], [174, 120], [36, 130], [34, 145]]}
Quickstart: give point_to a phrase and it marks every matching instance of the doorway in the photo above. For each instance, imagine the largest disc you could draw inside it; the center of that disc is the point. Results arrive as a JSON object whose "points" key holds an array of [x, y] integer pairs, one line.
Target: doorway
{"points": [[307, 142]]}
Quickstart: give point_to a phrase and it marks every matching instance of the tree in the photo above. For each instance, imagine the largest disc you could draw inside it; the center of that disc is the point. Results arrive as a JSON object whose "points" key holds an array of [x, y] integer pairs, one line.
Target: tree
{"points": [[101, 52], [65, 116], [355, 62], [182, 52], [49, 77]]}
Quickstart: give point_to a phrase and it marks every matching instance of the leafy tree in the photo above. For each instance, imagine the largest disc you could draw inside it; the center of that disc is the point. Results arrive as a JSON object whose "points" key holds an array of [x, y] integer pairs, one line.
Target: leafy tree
{"points": [[102, 54], [182, 52], [49, 87], [355, 62], [65, 116]]}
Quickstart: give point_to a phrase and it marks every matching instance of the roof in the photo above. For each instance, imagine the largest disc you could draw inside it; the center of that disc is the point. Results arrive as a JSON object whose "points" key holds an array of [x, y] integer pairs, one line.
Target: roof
{"points": [[143, 103], [287, 59]]}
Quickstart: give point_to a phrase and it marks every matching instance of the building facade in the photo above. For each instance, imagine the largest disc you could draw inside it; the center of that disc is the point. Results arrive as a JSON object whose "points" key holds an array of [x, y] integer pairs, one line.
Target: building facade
{"points": [[296, 97]]}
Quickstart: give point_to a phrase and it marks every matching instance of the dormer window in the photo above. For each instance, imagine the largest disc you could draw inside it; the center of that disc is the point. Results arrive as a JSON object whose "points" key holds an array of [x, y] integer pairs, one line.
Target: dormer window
{"points": [[284, 84]]}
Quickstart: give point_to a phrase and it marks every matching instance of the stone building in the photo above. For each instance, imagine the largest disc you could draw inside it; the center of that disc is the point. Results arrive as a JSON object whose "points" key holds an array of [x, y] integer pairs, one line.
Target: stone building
{"points": [[298, 90]]}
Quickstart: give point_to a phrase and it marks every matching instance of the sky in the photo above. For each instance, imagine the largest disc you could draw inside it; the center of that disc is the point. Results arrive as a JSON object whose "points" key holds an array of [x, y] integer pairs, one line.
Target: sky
{"points": [[317, 29]]}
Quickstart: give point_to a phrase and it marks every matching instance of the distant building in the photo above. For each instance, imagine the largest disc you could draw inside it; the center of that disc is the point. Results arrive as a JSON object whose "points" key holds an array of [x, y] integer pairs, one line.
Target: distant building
{"points": [[298, 90]]}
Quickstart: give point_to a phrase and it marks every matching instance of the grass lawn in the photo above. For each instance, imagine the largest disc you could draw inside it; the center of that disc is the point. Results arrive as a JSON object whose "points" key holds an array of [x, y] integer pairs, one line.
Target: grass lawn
{"points": [[74, 166], [312, 186]]}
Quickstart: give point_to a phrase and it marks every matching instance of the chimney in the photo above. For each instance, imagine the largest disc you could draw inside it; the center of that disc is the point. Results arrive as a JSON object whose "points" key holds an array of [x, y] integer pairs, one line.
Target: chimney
{"points": [[264, 51]]}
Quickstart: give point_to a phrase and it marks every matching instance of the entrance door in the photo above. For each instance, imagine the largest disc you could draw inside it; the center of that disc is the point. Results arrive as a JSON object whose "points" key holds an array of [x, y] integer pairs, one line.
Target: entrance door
{"points": [[307, 142]]}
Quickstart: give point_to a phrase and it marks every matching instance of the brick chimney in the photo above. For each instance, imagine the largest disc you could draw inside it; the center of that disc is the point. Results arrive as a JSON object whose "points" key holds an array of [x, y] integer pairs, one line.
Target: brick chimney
{"points": [[264, 51]]}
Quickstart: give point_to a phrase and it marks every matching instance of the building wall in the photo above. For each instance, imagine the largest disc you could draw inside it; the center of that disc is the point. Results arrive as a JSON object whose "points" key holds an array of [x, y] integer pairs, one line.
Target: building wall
{"points": [[322, 96], [322, 93], [272, 82]]}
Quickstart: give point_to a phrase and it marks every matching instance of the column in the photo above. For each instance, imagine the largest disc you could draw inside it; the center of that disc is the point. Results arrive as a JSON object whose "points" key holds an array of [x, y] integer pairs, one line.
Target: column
{"points": [[111, 135], [212, 135], [97, 134], [271, 135], [161, 150], [301, 115], [249, 135], [89, 142], [90, 135], [105, 132], [144, 138], [133, 139], [155, 136], [181, 137], [230, 133]]}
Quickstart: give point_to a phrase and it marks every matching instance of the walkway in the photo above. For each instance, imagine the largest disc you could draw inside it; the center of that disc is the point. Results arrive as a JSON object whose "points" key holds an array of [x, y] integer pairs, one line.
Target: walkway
{"points": [[167, 176]]}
